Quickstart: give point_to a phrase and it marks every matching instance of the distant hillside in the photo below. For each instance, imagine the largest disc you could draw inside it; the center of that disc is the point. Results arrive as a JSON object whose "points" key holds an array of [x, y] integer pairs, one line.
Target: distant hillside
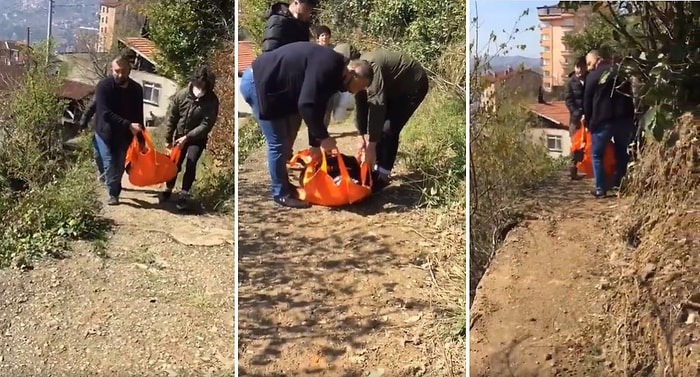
{"points": [[500, 63]]}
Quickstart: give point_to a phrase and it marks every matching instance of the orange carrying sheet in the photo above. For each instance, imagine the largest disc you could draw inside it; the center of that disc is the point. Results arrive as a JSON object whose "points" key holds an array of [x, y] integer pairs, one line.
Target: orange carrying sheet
{"points": [[149, 167], [581, 145], [319, 187]]}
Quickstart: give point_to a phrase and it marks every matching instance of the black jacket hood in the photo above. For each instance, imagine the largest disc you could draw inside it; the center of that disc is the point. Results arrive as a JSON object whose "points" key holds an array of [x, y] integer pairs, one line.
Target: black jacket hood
{"points": [[279, 9]]}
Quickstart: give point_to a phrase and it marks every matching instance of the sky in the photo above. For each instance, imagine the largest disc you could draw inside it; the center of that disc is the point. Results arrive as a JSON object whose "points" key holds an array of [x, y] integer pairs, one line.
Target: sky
{"points": [[498, 15]]}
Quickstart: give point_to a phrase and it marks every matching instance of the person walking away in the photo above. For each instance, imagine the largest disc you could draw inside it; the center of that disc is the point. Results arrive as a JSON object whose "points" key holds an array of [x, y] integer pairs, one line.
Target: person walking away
{"points": [[191, 117], [574, 103], [398, 87], [287, 23], [119, 108], [291, 83], [609, 114]]}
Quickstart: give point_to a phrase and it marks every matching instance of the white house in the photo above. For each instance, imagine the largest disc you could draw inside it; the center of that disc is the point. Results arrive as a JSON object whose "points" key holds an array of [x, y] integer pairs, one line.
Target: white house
{"points": [[553, 128]]}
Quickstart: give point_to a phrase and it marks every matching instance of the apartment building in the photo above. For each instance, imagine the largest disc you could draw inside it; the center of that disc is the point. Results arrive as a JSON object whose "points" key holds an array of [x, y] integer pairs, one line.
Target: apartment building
{"points": [[116, 19], [557, 62]]}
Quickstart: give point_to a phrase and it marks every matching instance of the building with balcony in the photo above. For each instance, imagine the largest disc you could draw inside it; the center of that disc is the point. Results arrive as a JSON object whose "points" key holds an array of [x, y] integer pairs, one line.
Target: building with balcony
{"points": [[557, 62]]}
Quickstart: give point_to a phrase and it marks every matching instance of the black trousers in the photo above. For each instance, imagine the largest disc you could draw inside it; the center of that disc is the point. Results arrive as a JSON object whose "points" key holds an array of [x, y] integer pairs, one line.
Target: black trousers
{"points": [[191, 154], [399, 111]]}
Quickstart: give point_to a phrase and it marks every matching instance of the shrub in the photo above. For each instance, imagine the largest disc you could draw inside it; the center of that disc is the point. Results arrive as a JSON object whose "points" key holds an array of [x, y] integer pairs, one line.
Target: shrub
{"points": [[51, 195]]}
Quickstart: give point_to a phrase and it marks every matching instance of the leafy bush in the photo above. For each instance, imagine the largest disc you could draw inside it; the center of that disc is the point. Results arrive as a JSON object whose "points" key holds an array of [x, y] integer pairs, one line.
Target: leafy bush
{"points": [[50, 196], [434, 144]]}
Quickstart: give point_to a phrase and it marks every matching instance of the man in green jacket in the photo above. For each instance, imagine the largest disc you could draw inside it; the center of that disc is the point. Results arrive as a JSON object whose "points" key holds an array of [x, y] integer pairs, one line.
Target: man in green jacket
{"points": [[191, 117], [398, 87]]}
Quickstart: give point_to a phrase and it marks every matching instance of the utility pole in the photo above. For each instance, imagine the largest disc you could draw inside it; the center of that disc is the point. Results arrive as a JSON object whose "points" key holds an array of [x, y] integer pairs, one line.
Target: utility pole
{"points": [[48, 31], [29, 33]]}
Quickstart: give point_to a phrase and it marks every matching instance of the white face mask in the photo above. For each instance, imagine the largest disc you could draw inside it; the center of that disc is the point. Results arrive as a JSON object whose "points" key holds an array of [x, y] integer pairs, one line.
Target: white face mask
{"points": [[197, 92]]}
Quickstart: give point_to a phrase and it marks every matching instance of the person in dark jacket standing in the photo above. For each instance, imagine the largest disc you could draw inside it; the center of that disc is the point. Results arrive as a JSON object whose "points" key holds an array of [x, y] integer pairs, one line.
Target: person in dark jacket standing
{"points": [[119, 108], [287, 23], [191, 117], [398, 87], [609, 114], [291, 83], [574, 103]]}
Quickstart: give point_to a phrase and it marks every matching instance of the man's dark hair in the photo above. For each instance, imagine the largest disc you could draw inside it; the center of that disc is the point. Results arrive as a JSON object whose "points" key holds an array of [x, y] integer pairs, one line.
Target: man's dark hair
{"points": [[581, 62], [323, 29], [204, 77], [362, 69]]}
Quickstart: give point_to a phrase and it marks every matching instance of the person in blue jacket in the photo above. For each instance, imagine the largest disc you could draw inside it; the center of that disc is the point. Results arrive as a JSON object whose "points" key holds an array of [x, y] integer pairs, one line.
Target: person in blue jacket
{"points": [[292, 83]]}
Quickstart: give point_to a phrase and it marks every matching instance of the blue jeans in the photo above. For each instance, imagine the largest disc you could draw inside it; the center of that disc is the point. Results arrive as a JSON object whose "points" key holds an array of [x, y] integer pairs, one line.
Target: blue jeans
{"points": [[98, 158], [280, 135], [113, 160], [621, 131]]}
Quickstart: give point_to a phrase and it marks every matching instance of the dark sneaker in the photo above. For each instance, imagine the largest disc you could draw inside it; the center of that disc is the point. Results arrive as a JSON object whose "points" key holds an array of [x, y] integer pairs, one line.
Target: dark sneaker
{"points": [[598, 194], [573, 173], [112, 201], [182, 203], [291, 202], [379, 182], [164, 196]]}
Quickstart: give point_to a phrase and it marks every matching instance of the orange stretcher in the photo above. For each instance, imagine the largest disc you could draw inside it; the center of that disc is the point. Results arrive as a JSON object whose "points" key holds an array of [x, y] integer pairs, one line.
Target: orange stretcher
{"points": [[319, 187]]}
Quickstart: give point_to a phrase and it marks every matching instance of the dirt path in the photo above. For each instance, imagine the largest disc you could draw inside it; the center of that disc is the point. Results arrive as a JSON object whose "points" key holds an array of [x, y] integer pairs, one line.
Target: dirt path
{"points": [[543, 288], [331, 292], [159, 304]]}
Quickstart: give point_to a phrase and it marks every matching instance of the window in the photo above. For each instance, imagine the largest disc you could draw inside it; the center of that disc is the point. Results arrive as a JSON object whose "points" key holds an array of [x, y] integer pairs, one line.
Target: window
{"points": [[554, 143], [545, 73], [546, 49], [545, 62], [548, 85], [568, 22], [151, 93], [103, 9], [545, 37]]}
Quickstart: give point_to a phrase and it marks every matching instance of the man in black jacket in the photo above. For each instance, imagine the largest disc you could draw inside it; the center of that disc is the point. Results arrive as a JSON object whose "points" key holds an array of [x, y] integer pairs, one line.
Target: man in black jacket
{"points": [[287, 23], [574, 102], [291, 83], [119, 109], [609, 114]]}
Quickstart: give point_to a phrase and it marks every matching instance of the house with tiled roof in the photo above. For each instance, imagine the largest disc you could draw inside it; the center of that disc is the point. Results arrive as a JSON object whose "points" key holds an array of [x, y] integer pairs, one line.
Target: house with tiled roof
{"points": [[245, 52], [552, 128], [515, 82], [157, 90]]}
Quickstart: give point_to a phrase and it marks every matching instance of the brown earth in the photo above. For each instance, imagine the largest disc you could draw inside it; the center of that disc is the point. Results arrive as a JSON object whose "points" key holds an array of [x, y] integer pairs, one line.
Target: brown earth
{"points": [[567, 295], [335, 292], [160, 303]]}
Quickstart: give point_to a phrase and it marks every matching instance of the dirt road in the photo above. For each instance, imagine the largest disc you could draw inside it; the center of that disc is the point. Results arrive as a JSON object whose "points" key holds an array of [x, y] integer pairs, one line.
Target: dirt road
{"points": [[544, 287], [160, 304], [328, 292]]}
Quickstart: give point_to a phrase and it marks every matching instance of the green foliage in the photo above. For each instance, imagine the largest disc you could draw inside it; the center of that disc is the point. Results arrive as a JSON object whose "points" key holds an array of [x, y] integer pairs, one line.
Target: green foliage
{"points": [[434, 144], [188, 32], [250, 138], [596, 35], [662, 58], [60, 201]]}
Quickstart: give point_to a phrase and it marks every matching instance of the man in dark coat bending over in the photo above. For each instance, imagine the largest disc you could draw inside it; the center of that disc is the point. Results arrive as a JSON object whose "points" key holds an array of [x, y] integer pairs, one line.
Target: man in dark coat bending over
{"points": [[398, 87], [292, 83], [119, 108], [287, 23]]}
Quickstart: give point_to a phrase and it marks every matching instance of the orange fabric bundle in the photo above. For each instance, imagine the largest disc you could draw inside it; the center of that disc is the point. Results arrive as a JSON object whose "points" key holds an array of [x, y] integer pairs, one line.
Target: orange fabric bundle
{"points": [[150, 167], [581, 144], [319, 187]]}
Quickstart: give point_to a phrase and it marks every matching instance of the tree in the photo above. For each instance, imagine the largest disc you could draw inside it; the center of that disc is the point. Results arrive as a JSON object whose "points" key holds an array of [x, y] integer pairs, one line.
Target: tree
{"points": [[596, 35], [662, 43], [187, 32]]}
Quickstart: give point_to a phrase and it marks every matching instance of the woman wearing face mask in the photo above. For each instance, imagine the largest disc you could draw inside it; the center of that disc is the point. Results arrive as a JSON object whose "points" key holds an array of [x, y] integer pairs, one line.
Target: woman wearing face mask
{"points": [[190, 119]]}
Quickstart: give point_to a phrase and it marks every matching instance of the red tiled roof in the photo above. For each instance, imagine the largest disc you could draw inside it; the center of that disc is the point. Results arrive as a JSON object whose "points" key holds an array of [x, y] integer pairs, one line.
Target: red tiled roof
{"points": [[556, 112], [75, 90], [142, 46], [245, 55]]}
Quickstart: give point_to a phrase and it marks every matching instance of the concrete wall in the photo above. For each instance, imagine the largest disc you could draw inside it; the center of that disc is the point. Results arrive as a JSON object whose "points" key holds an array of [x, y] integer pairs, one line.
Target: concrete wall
{"points": [[540, 135], [167, 88]]}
